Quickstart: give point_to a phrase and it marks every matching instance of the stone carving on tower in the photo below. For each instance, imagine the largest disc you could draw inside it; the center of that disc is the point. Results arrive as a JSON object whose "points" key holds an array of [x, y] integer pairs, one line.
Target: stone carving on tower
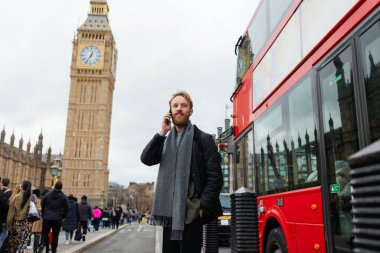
{"points": [[93, 67]]}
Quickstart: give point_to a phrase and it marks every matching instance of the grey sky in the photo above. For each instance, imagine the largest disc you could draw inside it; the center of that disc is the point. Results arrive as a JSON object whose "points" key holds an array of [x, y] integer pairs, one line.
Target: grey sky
{"points": [[164, 46]]}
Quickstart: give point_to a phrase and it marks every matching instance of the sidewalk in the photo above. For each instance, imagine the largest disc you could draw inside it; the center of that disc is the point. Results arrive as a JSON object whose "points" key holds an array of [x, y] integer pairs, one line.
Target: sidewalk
{"points": [[91, 239]]}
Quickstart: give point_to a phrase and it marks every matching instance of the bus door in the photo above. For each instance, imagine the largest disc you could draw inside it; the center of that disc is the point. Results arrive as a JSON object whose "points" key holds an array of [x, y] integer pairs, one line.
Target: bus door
{"points": [[350, 112], [368, 52], [341, 139]]}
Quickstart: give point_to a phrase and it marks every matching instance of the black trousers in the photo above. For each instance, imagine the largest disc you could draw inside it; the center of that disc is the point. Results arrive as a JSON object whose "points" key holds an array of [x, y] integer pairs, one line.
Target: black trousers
{"points": [[55, 226], [83, 224], [192, 239]]}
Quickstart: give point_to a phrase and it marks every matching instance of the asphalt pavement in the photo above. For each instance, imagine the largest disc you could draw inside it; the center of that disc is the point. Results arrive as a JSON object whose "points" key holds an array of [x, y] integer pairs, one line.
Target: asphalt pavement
{"points": [[139, 238]]}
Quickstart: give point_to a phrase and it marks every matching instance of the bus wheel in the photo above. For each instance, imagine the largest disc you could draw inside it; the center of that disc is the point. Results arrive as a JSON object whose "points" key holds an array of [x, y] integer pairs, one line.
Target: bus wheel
{"points": [[276, 242]]}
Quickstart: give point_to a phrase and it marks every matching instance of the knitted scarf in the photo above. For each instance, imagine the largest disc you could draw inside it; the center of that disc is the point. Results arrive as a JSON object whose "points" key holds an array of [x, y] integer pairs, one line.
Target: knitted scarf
{"points": [[169, 205]]}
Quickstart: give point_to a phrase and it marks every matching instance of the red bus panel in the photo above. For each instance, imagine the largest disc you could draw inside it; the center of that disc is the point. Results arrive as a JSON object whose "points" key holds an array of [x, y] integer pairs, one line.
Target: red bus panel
{"points": [[299, 213]]}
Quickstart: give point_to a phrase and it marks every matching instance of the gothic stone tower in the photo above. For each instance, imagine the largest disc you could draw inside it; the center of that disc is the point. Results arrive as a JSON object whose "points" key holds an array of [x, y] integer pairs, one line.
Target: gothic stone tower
{"points": [[93, 67]]}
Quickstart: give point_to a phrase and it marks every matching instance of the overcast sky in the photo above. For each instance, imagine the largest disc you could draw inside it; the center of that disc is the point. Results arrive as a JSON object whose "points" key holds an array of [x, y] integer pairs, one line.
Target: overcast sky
{"points": [[164, 46]]}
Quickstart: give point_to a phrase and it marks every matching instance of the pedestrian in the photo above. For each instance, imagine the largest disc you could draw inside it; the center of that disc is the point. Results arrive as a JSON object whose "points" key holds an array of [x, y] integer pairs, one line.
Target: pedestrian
{"points": [[190, 169], [55, 207], [106, 218], [20, 227], [97, 214], [139, 217], [118, 212], [37, 225], [3, 217], [113, 217], [16, 190], [5, 195], [5, 187], [85, 215], [72, 219]]}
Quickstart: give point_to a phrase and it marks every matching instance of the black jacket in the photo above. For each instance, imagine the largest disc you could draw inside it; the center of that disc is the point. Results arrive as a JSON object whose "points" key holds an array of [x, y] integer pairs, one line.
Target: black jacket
{"points": [[55, 205], [206, 172], [85, 211], [73, 217], [3, 207]]}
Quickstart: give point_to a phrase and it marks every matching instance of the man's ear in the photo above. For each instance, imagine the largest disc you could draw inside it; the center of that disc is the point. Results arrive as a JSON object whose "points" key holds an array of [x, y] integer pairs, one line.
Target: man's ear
{"points": [[191, 111]]}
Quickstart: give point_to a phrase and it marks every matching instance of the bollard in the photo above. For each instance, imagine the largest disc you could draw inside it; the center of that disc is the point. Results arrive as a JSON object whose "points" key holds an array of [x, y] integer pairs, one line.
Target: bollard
{"points": [[244, 222], [365, 192], [210, 237]]}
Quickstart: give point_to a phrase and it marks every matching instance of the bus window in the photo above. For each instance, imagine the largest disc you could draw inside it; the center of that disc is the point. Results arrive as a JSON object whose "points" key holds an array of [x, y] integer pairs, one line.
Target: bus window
{"points": [[244, 163], [341, 140], [303, 132], [370, 51], [271, 151]]}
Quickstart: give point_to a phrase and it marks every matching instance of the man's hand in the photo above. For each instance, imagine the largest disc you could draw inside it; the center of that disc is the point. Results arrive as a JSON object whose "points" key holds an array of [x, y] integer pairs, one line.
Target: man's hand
{"points": [[165, 124], [201, 213]]}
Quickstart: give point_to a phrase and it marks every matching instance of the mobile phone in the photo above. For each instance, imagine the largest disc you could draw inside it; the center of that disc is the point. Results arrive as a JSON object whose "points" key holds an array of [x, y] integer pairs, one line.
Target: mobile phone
{"points": [[168, 121]]}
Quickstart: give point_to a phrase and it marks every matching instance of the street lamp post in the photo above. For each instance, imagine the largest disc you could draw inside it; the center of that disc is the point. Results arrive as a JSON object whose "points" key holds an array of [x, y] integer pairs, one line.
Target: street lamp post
{"points": [[102, 200], [56, 171]]}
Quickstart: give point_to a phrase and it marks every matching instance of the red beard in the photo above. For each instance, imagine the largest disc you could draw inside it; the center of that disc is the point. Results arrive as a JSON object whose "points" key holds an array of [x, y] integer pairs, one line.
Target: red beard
{"points": [[180, 119]]}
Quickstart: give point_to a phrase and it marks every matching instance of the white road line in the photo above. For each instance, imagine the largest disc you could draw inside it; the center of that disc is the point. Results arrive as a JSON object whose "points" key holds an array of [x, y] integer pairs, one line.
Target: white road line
{"points": [[140, 227], [158, 248]]}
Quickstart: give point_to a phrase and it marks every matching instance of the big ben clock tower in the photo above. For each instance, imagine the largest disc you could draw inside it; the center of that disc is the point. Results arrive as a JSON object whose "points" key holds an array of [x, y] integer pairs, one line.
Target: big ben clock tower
{"points": [[93, 66]]}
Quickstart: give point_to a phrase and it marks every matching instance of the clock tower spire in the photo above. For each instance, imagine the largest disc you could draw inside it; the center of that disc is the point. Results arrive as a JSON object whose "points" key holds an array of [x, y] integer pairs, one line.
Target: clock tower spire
{"points": [[93, 73]]}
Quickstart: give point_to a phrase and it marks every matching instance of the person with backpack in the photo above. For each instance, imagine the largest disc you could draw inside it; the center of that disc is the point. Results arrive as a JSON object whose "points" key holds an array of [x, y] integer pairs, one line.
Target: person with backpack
{"points": [[189, 178]]}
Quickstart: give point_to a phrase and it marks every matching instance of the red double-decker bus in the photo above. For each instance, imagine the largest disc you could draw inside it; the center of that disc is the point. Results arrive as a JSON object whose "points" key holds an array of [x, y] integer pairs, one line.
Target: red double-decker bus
{"points": [[307, 97]]}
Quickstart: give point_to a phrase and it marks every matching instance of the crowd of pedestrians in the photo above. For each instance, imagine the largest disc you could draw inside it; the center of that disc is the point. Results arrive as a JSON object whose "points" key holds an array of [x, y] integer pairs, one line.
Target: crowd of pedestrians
{"points": [[25, 211]]}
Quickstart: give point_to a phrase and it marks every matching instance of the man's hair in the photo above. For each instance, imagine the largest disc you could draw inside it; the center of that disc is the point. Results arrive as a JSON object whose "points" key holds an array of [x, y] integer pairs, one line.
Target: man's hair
{"points": [[84, 197], [58, 185], [182, 94], [5, 182]]}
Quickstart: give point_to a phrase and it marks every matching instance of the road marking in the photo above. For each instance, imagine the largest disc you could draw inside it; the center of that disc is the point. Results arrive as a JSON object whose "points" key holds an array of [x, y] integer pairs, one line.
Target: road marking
{"points": [[140, 227], [158, 248]]}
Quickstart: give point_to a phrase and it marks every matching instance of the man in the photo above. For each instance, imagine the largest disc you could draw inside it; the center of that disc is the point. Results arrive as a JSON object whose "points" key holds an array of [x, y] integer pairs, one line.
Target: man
{"points": [[55, 207], [5, 187], [85, 212], [189, 178]]}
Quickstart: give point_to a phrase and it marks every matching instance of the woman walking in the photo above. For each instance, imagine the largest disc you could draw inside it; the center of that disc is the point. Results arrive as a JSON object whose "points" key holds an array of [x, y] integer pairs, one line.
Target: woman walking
{"points": [[97, 214], [17, 219], [15, 191], [72, 219]]}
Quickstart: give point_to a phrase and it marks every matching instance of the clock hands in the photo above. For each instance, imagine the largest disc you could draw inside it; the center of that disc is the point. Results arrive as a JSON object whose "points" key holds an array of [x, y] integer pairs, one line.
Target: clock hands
{"points": [[90, 55], [92, 52]]}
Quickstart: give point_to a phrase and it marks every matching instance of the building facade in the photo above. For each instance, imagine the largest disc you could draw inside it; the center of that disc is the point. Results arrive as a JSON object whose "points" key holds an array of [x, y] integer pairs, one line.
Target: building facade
{"points": [[93, 67], [19, 165]]}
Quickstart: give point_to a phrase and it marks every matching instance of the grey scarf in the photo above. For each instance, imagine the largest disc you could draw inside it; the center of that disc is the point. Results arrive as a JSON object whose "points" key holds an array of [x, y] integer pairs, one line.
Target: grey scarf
{"points": [[169, 205]]}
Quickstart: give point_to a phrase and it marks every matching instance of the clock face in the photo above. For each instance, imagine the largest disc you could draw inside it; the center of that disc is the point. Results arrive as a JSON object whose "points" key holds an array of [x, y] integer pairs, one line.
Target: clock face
{"points": [[90, 55]]}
